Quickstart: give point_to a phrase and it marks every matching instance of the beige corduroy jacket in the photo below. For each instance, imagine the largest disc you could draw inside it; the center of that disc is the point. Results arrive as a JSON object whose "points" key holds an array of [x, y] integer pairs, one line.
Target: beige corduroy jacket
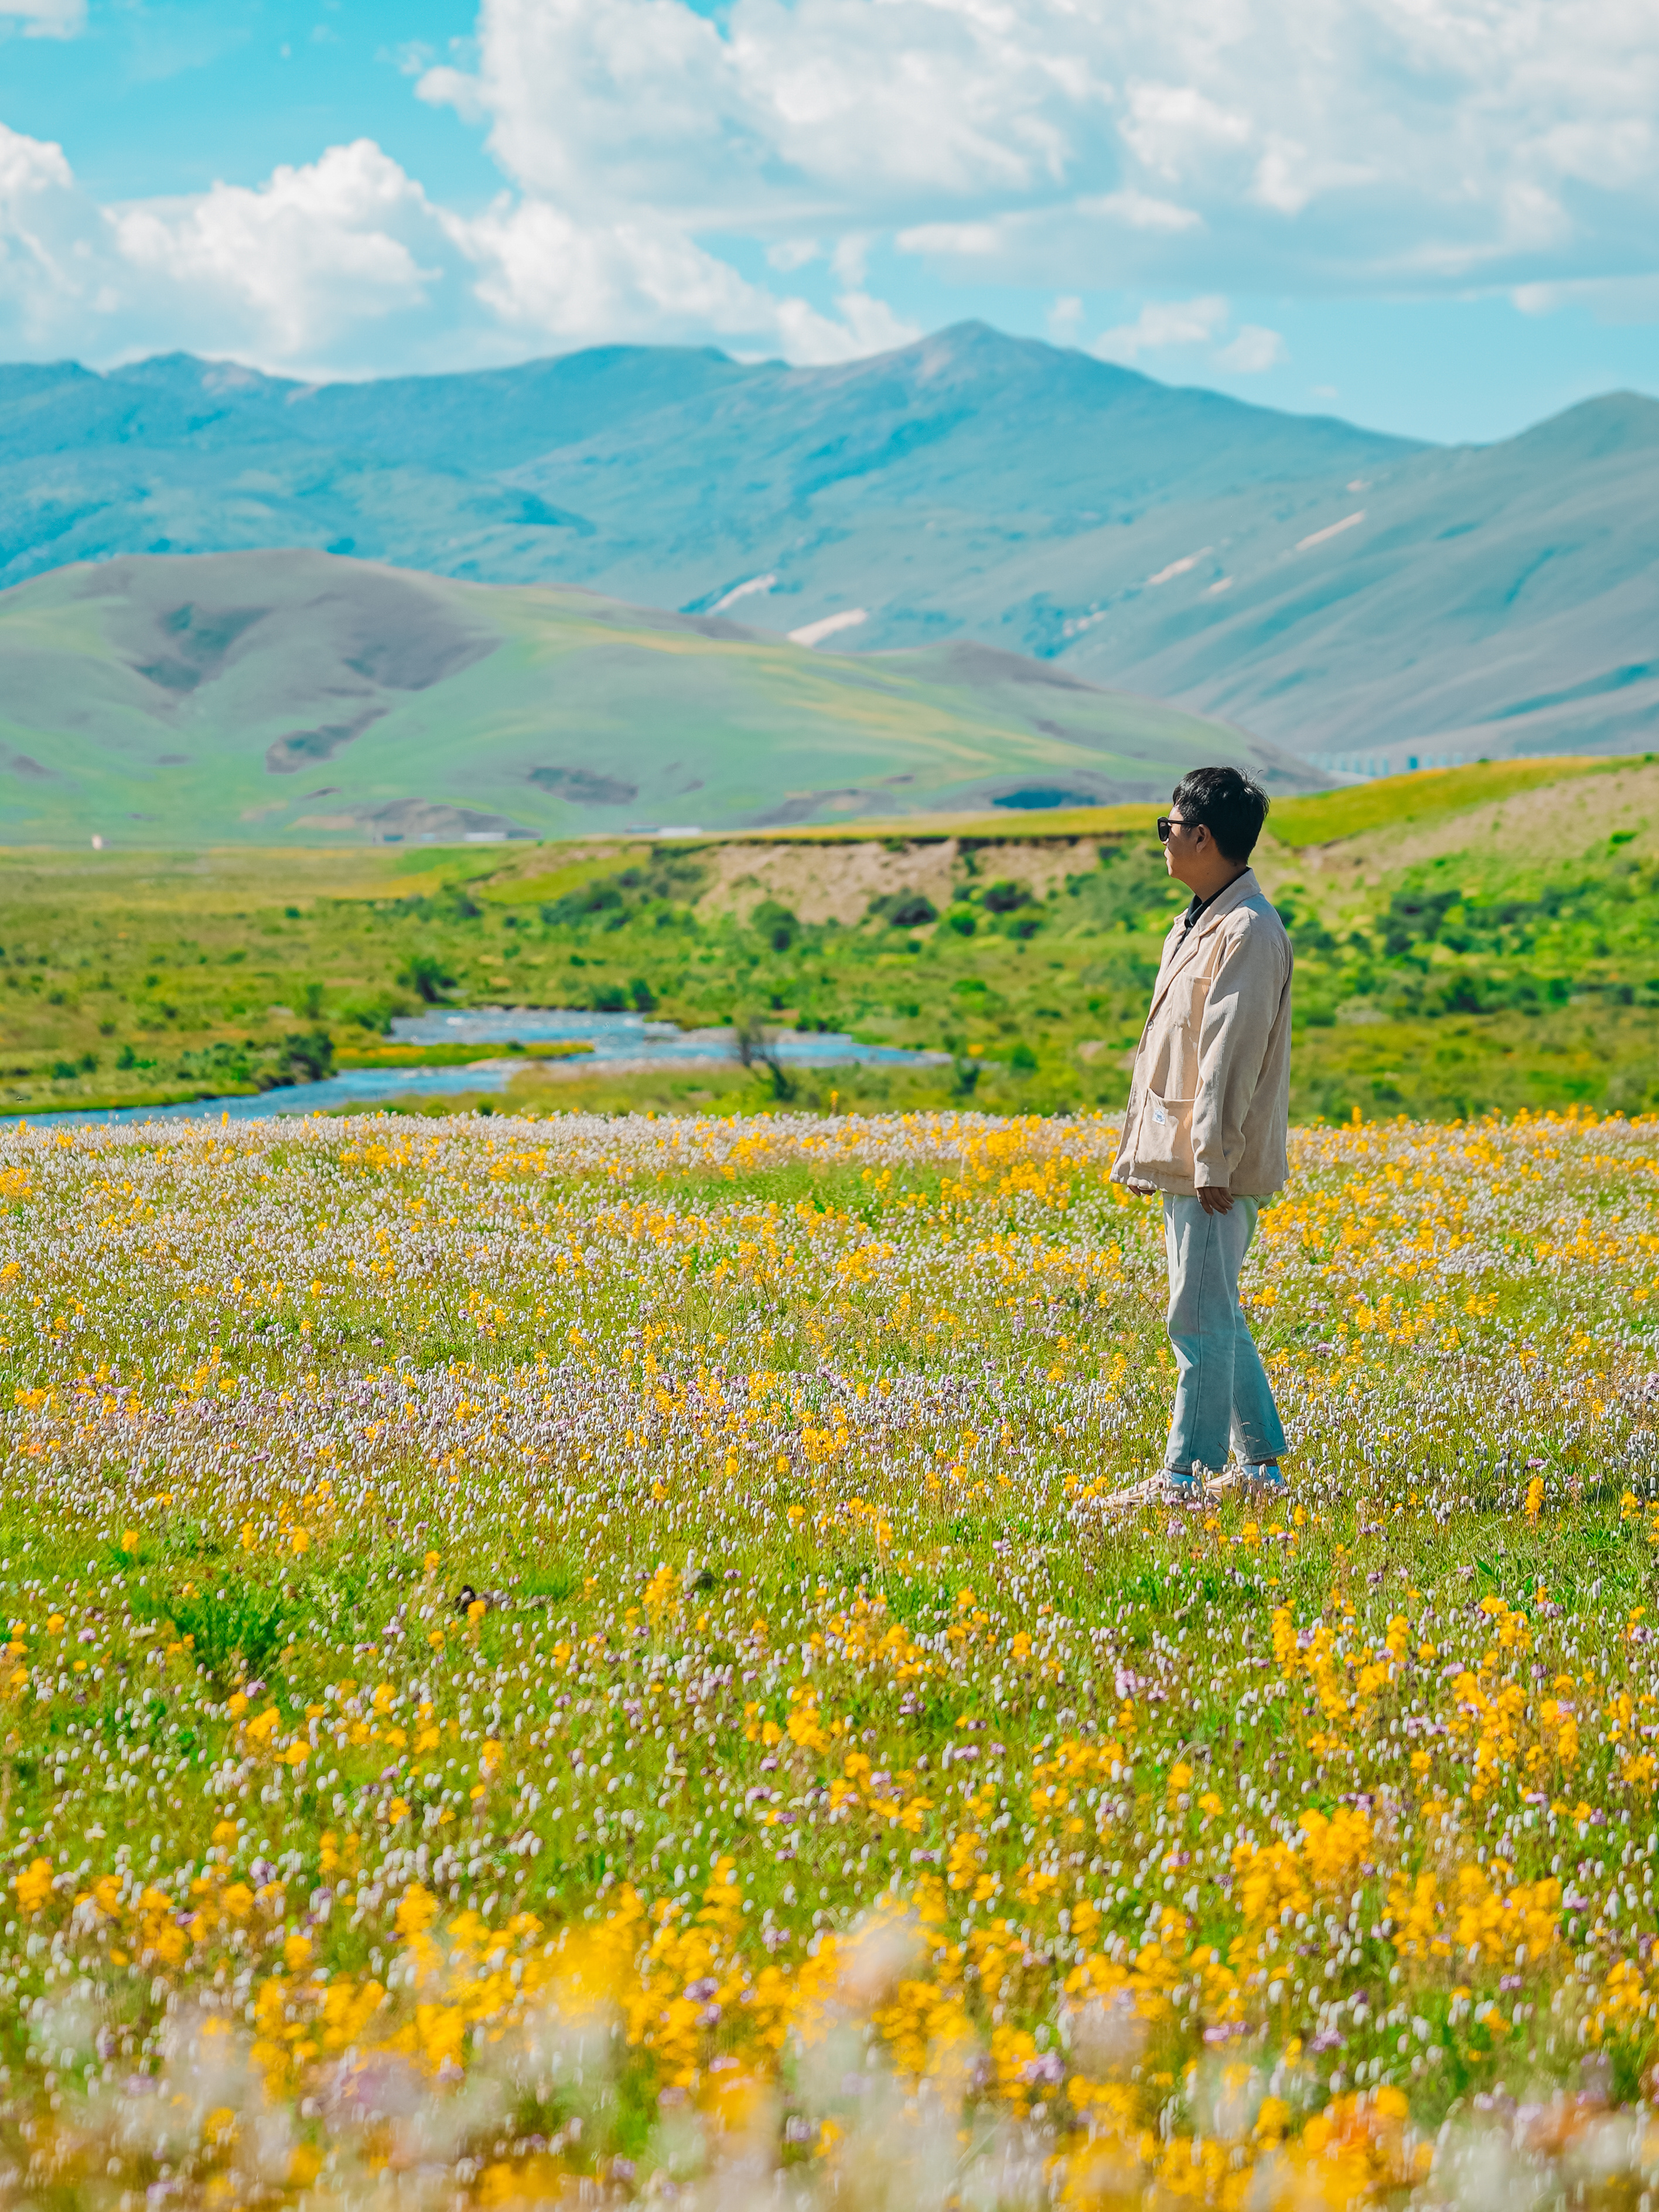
{"points": [[1209, 1100]]}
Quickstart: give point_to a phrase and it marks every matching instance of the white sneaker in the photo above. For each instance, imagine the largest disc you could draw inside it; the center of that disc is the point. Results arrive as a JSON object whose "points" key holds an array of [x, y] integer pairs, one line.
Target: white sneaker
{"points": [[1162, 1488], [1251, 1479]]}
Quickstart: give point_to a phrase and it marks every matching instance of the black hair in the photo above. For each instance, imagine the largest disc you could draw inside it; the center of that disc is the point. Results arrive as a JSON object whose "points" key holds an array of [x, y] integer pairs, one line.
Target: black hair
{"points": [[1229, 804]]}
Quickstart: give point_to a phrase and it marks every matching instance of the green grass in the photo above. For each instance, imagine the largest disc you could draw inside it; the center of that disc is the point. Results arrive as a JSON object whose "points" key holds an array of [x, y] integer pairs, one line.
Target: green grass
{"points": [[1448, 962], [1392, 802], [625, 1626]]}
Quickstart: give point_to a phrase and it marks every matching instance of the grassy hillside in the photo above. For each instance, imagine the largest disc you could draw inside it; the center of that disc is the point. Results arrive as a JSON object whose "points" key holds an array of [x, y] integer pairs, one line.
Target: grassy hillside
{"points": [[1492, 947], [1484, 602], [1395, 804], [265, 696], [1332, 590]]}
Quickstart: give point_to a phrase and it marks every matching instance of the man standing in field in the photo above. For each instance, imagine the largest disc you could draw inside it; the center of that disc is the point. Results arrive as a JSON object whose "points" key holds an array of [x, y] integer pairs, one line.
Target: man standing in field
{"points": [[1207, 1125]]}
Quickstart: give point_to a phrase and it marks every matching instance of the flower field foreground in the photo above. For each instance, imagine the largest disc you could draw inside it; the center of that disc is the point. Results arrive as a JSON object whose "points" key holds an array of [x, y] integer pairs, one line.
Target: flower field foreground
{"points": [[572, 1661]]}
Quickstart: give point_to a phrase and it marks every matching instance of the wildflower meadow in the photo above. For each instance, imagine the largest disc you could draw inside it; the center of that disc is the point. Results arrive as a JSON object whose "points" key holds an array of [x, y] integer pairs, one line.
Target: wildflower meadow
{"points": [[580, 1661]]}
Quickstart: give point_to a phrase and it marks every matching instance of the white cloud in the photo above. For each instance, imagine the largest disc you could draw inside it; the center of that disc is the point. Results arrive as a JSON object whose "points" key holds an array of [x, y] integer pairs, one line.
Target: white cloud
{"points": [[962, 241], [1176, 325], [851, 261], [1173, 129], [302, 269], [668, 174], [46, 19], [541, 270], [444, 87], [841, 105], [307, 258], [551, 277], [1610, 299], [345, 265], [1254, 350], [1163, 324], [1141, 211], [54, 259], [1065, 319], [1257, 144], [861, 325]]}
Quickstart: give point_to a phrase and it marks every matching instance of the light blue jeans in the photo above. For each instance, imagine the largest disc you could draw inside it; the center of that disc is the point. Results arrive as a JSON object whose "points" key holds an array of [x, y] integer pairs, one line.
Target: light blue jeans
{"points": [[1221, 1386]]}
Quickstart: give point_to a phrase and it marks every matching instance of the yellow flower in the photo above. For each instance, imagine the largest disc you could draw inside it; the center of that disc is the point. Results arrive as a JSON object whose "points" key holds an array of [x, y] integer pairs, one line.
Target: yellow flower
{"points": [[35, 1886], [416, 1910]]}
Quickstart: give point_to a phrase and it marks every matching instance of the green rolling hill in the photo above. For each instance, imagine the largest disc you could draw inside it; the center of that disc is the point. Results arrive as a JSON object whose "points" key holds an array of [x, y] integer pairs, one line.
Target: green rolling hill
{"points": [[264, 697], [1353, 597]]}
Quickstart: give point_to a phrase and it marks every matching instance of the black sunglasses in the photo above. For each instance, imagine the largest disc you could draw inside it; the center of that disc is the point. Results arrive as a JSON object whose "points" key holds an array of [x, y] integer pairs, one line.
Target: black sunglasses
{"points": [[1168, 822]]}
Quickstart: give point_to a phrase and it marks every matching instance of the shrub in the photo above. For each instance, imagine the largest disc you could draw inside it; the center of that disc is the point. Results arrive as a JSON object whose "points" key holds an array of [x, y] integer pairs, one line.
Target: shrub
{"points": [[1005, 897], [904, 909], [427, 978], [776, 924]]}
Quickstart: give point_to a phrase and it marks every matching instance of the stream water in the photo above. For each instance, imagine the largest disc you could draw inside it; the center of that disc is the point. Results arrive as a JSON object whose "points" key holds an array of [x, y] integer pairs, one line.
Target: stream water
{"points": [[619, 1043]]}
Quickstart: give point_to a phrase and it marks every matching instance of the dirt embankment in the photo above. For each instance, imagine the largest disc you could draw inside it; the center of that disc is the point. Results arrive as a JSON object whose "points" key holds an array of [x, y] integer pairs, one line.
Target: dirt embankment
{"points": [[1557, 821], [836, 882]]}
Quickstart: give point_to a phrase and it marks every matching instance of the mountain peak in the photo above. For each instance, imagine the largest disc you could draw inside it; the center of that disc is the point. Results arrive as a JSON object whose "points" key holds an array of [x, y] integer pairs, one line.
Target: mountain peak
{"points": [[1612, 422], [1322, 584], [187, 371]]}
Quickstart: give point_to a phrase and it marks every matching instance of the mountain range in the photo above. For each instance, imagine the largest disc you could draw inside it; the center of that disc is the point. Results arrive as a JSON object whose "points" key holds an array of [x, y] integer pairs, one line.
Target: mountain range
{"points": [[265, 697], [1351, 597]]}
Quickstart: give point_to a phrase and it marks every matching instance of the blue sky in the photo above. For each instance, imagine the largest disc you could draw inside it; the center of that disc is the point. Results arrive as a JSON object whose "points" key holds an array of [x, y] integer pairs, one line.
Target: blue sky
{"points": [[1437, 218]]}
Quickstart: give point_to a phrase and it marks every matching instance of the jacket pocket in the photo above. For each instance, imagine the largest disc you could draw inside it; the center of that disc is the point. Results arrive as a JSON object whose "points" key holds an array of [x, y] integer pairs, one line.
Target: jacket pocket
{"points": [[1165, 1137], [1176, 1077]]}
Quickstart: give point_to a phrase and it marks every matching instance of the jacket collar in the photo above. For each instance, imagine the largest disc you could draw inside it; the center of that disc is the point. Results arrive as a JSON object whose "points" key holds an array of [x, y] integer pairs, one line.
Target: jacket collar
{"points": [[1240, 888], [1180, 950]]}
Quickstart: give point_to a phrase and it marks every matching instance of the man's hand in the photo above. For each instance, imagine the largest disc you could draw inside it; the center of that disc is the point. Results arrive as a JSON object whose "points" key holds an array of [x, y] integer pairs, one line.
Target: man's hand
{"points": [[1141, 1189], [1216, 1198]]}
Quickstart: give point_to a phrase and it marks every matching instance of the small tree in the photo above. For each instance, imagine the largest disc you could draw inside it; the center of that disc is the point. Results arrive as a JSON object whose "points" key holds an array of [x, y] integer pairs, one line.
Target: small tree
{"points": [[756, 1049], [426, 976]]}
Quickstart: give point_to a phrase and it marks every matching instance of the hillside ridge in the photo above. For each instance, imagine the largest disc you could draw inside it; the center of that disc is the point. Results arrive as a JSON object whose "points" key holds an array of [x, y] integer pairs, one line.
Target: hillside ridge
{"points": [[1366, 601], [253, 697]]}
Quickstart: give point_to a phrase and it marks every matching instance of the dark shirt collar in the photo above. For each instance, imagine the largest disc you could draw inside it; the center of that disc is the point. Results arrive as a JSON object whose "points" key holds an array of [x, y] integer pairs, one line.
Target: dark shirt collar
{"points": [[1199, 906]]}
